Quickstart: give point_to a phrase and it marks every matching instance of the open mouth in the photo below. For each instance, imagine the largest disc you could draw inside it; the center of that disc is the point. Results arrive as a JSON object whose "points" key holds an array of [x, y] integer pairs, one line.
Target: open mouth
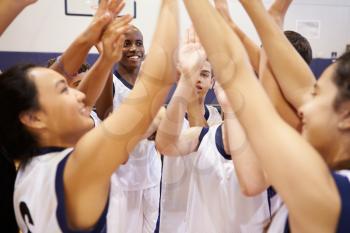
{"points": [[199, 88], [134, 58]]}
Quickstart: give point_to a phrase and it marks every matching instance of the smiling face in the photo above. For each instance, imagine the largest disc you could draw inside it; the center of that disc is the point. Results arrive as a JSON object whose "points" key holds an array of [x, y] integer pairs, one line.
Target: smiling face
{"points": [[133, 51], [63, 115], [321, 122]]}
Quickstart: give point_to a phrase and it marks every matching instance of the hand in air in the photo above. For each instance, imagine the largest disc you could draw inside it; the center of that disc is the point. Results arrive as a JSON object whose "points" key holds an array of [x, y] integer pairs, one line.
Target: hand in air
{"points": [[113, 38], [105, 13]]}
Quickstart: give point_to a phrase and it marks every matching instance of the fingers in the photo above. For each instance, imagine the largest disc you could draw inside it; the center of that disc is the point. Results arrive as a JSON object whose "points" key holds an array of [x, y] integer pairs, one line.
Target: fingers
{"points": [[116, 6], [102, 4], [118, 47], [121, 21], [102, 21]]}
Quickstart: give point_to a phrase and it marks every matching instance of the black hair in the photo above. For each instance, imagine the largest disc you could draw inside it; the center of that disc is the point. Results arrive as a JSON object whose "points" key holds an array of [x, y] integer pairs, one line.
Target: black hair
{"points": [[301, 44], [18, 94], [341, 79]]}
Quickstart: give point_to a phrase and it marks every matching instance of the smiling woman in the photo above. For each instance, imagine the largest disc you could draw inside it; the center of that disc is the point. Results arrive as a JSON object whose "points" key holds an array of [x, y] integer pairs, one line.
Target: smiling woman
{"points": [[66, 166]]}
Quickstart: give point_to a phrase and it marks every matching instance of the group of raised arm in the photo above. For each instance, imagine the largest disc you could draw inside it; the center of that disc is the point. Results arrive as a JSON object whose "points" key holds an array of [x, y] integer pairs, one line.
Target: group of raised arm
{"points": [[284, 132]]}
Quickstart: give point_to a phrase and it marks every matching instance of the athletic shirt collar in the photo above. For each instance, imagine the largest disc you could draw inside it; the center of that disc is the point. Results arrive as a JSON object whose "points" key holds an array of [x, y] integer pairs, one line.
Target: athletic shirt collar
{"points": [[126, 83], [46, 150]]}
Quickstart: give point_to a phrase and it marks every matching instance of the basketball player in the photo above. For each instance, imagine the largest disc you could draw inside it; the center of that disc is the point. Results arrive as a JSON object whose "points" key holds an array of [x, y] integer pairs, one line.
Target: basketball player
{"points": [[215, 202]]}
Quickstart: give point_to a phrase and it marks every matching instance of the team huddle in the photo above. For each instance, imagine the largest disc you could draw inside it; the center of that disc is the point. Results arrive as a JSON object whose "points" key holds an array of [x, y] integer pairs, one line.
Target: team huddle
{"points": [[98, 150]]}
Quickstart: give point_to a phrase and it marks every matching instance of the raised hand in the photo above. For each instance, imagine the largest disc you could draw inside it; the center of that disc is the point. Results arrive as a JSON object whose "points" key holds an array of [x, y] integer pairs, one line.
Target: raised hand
{"points": [[113, 38], [278, 10], [191, 58], [112, 7], [105, 13]]}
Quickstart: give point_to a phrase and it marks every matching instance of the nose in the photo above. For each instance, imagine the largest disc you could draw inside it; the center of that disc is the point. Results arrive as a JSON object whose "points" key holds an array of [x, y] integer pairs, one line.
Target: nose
{"points": [[79, 95], [133, 47]]}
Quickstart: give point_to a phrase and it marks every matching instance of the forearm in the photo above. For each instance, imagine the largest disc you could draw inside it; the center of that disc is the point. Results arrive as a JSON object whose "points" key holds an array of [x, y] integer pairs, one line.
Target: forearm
{"points": [[252, 49], [248, 169], [207, 21], [104, 104], [285, 109], [95, 80], [170, 127], [9, 9], [73, 57], [295, 78]]}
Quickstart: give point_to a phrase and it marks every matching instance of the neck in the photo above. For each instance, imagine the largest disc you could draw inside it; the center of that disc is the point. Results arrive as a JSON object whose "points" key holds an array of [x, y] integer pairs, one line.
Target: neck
{"points": [[47, 140], [337, 155], [196, 111], [130, 75]]}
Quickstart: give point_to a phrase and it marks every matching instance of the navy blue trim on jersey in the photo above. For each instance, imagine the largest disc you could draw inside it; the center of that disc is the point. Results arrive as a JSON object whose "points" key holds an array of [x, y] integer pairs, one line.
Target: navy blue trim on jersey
{"points": [[220, 143], [204, 131], [287, 228], [100, 227], [343, 186], [157, 230], [128, 85], [46, 150], [270, 194], [207, 113]]}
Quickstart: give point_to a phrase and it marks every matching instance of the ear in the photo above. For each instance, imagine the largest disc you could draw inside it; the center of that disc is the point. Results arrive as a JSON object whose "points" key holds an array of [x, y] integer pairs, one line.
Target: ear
{"points": [[32, 120], [344, 119]]}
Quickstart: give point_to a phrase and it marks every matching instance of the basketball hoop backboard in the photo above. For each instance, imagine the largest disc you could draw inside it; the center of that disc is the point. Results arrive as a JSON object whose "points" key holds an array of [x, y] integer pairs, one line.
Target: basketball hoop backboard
{"points": [[88, 7]]}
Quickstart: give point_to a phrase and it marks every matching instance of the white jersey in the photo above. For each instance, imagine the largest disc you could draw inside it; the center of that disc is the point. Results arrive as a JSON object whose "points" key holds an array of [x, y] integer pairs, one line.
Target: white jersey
{"points": [[135, 185], [95, 118], [176, 182], [39, 201], [212, 115], [214, 201]]}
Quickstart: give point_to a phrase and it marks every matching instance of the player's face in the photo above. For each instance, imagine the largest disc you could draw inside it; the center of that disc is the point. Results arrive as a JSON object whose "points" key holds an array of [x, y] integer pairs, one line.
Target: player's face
{"points": [[133, 50], [205, 80], [63, 114], [319, 119]]}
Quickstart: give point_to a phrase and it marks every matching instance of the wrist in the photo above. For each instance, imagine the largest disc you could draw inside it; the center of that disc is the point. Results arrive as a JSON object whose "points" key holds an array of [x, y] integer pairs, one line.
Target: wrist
{"points": [[84, 40], [105, 61]]}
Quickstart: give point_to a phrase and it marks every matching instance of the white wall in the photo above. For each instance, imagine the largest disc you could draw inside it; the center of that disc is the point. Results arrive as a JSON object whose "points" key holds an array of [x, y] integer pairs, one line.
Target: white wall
{"points": [[44, 27]]}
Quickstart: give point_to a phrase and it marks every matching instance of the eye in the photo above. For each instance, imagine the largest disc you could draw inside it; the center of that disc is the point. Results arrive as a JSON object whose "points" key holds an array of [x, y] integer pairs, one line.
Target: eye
{"points": [[65, 90], [205, 74], [127, 43], [139, 43]]}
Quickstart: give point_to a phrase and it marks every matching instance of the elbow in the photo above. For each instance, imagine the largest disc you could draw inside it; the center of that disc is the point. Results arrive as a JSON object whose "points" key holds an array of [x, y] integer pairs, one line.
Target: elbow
{"points": [[252, 190], [162, 146]]}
